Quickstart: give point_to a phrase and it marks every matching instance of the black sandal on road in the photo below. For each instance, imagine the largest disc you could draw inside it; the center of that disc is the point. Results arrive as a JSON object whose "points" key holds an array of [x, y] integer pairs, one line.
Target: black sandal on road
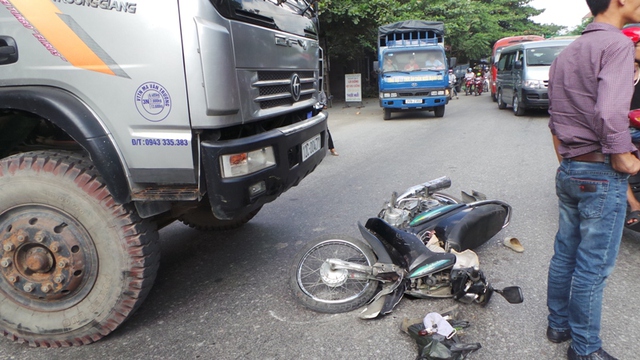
{"points": [[633, 221]]}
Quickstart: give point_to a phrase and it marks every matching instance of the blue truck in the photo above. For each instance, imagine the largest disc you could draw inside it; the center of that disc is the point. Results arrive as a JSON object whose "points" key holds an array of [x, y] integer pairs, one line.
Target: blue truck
{"points": [[412, 67]]}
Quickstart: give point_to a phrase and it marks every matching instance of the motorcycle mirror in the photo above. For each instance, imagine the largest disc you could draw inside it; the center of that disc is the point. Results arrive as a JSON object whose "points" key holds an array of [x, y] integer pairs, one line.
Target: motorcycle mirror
{"points": [[394, 199], [513, 294]]}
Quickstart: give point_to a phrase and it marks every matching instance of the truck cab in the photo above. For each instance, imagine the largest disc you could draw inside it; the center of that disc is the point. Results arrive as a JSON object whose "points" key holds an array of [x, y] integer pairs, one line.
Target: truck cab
{"points": [[118, 118], [412, 67]]}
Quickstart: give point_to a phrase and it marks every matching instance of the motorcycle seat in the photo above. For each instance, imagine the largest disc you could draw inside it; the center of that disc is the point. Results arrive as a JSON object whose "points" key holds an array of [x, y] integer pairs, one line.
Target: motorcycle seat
{"points": [[472, 227]]}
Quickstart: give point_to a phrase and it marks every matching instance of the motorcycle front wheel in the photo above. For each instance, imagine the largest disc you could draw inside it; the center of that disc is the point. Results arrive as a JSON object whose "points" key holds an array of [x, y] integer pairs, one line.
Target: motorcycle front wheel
{"points": [[320, 287]]}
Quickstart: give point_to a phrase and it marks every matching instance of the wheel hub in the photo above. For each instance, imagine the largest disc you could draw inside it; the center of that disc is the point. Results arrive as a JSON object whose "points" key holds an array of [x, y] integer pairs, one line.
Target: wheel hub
{"points": [[38, 260], [333, 277], [45, 263]]}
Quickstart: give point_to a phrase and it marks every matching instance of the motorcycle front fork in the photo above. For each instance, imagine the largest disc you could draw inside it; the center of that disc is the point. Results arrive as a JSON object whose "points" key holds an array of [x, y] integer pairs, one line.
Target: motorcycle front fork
{"points": [[379, 272]]}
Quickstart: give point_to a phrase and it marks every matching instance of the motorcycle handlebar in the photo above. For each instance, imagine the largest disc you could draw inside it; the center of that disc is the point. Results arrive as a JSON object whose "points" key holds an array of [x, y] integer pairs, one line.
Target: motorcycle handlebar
{"points": [[429, 187]]}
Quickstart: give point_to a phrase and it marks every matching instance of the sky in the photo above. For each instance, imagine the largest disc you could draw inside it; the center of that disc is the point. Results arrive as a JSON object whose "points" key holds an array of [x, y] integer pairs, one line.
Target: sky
{"points": [[567, 13]]}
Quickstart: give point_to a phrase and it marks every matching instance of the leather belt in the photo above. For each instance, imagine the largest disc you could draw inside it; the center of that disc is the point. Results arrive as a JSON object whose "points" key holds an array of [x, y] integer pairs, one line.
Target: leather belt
{"points": [[594, 156]]}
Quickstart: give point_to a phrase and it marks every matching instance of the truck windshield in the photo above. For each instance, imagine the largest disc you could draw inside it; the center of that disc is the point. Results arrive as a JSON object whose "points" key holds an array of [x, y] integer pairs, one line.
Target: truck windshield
{"points": [[415, 60], [543, 56], [292, 16]]}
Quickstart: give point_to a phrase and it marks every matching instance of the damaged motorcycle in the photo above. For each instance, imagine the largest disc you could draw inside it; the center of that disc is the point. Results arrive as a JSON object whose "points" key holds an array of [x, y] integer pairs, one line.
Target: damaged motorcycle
{"points": [[420, 245]]}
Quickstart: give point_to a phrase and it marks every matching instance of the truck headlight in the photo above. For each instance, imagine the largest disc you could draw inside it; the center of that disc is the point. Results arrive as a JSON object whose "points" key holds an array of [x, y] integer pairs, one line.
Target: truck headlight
{"points": [[437, 92], [387, 95], [240, 164], [534, 84]]}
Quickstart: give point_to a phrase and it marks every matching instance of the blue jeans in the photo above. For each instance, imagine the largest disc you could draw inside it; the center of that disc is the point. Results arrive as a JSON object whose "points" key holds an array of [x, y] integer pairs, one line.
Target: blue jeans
{"points": [[592, 203], [635, 135]]}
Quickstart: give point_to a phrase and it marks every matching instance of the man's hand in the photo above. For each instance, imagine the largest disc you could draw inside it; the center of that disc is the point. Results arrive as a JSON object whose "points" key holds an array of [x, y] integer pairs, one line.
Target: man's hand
{"points": [[556, 143], [625, 163]]}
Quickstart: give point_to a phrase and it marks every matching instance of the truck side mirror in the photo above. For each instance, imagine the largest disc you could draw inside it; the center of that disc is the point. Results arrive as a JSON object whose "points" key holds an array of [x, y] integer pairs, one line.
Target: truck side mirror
{"points": [[452, 62], [376, 67], [517, 64]]}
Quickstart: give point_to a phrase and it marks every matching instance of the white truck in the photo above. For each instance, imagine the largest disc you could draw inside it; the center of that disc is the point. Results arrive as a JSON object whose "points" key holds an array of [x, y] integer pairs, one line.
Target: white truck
{"points": [[120, 117]]}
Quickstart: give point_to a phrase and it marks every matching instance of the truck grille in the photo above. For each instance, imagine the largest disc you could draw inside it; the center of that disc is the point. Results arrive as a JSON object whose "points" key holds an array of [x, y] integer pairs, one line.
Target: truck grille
{"points": [[275, 88], [405, 94]]}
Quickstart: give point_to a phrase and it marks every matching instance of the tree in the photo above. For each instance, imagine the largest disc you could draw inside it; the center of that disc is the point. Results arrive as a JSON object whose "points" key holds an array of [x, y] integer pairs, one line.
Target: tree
{"points": [[580, 28], [349, 27]]}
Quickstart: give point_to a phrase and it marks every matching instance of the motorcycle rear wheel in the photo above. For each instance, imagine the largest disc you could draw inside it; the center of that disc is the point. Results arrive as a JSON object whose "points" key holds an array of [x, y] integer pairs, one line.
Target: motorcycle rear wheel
{"points": [[327, 290]]}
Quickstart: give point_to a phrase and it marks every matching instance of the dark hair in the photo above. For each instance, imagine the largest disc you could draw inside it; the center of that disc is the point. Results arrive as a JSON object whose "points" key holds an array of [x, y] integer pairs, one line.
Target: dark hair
{"points": [[598, 6]]}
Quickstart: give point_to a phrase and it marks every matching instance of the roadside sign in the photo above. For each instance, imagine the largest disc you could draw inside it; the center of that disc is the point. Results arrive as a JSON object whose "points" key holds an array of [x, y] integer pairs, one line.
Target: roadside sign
{"points": [[353, 87]]}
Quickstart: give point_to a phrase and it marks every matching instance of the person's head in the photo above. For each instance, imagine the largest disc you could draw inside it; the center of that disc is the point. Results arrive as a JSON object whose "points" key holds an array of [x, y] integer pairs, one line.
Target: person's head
{"points": [[450, 71], [469, 70], [598, 6], [388, 60], [615, 12], [633, 33]]}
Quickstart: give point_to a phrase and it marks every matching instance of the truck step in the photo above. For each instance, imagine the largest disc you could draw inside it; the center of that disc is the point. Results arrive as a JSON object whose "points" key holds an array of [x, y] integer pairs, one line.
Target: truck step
{"points": [[165, 193]]}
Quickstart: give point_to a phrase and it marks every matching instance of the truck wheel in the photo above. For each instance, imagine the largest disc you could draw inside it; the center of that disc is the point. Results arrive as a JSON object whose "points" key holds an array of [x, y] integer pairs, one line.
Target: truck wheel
{"points": [[501, 103], [439, 111], [387, 114], [201, 218], [74, 264]]}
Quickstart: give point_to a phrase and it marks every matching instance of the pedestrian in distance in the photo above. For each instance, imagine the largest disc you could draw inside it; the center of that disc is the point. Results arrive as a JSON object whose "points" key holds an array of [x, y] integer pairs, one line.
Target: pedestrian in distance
{"points": [[322, 99], [590, 90], [453, 83]]}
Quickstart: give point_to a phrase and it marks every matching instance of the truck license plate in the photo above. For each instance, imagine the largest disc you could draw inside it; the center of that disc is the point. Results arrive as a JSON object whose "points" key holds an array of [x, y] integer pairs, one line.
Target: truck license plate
{"points": [[311, 147], [413, 101]]}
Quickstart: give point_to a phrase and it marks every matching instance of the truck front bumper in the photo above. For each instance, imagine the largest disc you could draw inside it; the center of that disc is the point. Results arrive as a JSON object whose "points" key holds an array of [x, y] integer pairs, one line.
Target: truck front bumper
{"points": [[233, 197], [416, 103]]}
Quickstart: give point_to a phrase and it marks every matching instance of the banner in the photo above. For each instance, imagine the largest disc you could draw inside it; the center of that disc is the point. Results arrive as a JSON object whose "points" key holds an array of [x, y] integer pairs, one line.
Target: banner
{"points": [[352, 88]]}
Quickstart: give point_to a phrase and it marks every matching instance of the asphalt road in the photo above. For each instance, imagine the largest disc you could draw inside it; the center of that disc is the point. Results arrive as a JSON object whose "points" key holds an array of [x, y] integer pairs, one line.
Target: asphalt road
{"points": [[225, 295]]}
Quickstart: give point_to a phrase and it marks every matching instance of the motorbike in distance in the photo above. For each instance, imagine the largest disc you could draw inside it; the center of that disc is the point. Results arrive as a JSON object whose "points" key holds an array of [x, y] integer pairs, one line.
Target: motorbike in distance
{"points": [[469, 86], [420, 245], [479, 84], [452, 85]]}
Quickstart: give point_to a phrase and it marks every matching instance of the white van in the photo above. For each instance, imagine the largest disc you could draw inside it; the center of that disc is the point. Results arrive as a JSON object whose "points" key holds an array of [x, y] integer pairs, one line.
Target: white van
{"points": [[523, 74]]}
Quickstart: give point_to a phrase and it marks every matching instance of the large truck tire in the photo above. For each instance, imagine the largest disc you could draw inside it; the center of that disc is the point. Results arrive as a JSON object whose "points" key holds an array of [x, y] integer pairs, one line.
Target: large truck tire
{"points": [[387, 114], [74, 263], [202, 218]]}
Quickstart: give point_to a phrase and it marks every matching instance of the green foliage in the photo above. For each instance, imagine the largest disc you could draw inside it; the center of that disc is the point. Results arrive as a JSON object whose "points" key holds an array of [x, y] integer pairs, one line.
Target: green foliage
{"points": [[580, 28], [349, 27]]}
